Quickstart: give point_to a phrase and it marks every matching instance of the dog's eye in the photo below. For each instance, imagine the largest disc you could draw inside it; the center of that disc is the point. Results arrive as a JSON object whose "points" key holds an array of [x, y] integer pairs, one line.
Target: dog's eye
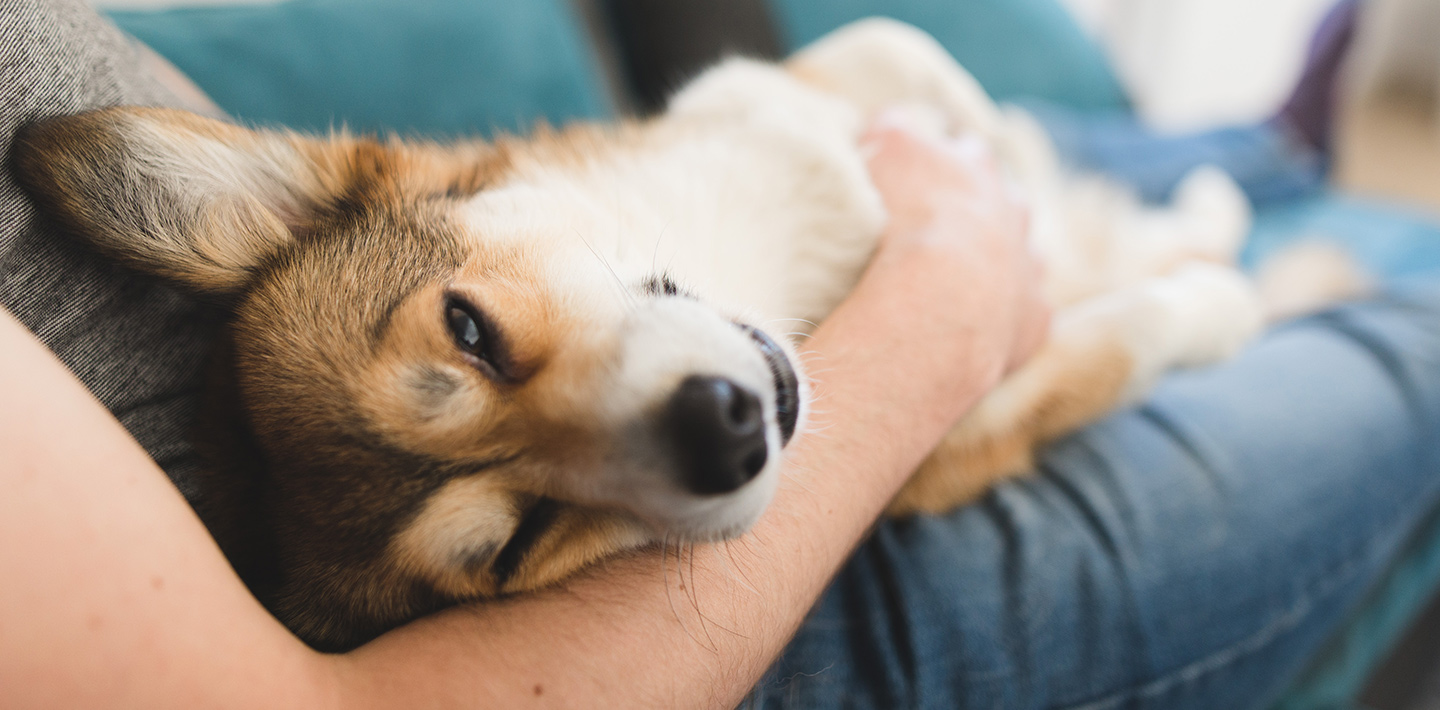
{"points": [[477, 337], [471, 333], [466, 330]]}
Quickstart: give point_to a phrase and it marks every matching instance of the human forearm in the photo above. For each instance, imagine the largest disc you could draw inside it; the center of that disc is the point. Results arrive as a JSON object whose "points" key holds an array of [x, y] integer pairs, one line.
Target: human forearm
{"points": [[112, 593]]}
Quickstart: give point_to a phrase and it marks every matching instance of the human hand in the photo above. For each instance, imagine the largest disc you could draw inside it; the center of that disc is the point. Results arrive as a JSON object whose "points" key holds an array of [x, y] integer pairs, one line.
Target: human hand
{"points": [[954, 267], [951, 208]]}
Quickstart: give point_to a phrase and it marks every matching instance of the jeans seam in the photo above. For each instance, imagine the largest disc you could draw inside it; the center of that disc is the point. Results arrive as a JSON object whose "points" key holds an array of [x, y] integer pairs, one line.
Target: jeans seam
{"points": [[1253, 644]]}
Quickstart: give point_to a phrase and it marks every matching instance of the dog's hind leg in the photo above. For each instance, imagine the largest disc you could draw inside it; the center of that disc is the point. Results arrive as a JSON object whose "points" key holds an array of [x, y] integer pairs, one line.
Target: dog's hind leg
{"points": [[1101, 353]]}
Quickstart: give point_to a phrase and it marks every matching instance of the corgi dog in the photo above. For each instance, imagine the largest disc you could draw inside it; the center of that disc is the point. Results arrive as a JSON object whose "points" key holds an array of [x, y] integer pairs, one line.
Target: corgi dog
{"points": [[459, 371]]}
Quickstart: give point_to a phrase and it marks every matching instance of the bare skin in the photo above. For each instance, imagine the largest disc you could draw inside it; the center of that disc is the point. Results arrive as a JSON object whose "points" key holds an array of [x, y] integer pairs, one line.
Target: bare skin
{"points": [[115, 596]]}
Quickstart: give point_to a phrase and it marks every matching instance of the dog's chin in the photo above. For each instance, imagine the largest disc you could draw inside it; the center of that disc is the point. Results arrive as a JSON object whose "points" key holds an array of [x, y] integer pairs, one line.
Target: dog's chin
{"points": [[713, 518]]}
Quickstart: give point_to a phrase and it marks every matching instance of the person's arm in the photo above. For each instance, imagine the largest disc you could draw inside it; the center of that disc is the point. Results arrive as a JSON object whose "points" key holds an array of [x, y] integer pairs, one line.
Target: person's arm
{"points": [[114, 596]]}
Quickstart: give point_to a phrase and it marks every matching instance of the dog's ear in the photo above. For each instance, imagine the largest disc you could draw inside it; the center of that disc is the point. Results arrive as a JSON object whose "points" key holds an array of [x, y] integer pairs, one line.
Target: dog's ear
{"points": [[192, 199]]}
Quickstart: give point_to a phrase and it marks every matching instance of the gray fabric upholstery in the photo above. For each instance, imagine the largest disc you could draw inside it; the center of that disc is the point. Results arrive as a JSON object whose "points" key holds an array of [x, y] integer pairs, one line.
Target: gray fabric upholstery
{"points": [[137, 345]]}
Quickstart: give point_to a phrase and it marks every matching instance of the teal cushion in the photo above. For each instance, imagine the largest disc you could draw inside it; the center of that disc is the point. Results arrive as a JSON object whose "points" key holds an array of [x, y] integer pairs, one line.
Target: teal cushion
{"points": [[434, 67], [1015, 48]]}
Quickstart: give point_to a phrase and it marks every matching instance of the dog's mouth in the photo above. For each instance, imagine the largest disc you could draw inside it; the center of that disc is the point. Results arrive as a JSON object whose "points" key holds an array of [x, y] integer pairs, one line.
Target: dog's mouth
{"points": [[787, 383]]}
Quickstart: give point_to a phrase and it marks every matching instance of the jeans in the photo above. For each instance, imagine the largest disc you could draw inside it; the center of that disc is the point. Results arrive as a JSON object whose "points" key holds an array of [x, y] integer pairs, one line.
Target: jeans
{"points": [[1194, 551], [1273, 165]]}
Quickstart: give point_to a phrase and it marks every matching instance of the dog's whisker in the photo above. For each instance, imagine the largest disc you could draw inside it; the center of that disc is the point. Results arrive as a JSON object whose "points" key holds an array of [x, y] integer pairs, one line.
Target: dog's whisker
{"points": [[793, 479], [705, 621], [671, 261], [656, 252], [732, 567], [739, 568], [689, 589], [680, 580], [810, 323], [619, 282], [665, 576]]}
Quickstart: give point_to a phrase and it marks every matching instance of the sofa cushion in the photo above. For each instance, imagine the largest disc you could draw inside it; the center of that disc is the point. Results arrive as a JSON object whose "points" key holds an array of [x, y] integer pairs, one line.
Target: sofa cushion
{"points": [[1016, 48], [433, 67]]}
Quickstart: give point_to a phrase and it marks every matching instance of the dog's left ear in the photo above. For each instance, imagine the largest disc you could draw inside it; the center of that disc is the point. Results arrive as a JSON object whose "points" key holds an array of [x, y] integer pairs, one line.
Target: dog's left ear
{"points": [[199, 201], [192, 199]]}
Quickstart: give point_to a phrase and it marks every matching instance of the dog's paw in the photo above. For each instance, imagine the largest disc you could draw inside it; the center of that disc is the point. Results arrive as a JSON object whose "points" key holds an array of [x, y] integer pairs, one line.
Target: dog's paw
{"points": [[1211, 310], [1215, 214], [1199, 314], [1310, 276]]}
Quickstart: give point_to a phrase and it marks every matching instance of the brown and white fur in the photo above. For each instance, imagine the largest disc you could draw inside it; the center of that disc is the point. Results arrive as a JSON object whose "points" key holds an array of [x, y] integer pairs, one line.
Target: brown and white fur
{"points": [[368, 467]]}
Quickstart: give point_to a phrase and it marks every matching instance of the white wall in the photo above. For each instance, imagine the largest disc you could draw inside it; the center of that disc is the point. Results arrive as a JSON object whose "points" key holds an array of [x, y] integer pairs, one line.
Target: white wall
{"points": [[1200, 63]]}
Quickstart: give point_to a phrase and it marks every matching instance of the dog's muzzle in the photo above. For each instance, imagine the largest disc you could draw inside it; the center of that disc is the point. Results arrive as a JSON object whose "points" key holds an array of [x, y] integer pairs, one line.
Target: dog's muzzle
{"points": [[717, 426]]}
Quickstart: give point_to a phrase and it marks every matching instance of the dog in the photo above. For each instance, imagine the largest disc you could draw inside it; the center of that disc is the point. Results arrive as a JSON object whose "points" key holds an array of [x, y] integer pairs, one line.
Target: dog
{"points": [[453, 372]]}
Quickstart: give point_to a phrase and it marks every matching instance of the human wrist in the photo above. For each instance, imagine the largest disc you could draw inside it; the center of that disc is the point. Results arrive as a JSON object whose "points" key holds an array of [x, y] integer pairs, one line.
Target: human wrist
{"points": [[879, 361], [936, 315]]}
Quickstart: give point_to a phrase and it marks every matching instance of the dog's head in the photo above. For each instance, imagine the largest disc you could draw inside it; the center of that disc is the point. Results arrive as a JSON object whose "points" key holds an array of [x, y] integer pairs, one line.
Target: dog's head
{"points": [[451, 387]]}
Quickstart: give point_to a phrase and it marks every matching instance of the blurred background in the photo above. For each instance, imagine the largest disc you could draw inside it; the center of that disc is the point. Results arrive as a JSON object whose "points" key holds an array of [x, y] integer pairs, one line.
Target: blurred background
{"points": [[1194, 64], [462, 67], [1183, 65]]}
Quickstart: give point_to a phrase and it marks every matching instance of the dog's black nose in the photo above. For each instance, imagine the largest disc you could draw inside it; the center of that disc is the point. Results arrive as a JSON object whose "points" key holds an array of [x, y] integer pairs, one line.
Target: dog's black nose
{"points": [[718, 429]]}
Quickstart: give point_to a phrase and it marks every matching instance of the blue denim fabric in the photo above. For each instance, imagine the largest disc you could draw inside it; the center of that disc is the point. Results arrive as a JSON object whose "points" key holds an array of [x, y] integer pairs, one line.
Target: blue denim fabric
{"points": [[1271, 164], [1192, 552]]}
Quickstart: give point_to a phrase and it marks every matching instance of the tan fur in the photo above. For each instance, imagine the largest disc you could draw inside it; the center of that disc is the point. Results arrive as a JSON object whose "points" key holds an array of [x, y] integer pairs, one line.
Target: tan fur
{"points": [[581, 537], [1308, 277], [466, 512], [1069, 383]]}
